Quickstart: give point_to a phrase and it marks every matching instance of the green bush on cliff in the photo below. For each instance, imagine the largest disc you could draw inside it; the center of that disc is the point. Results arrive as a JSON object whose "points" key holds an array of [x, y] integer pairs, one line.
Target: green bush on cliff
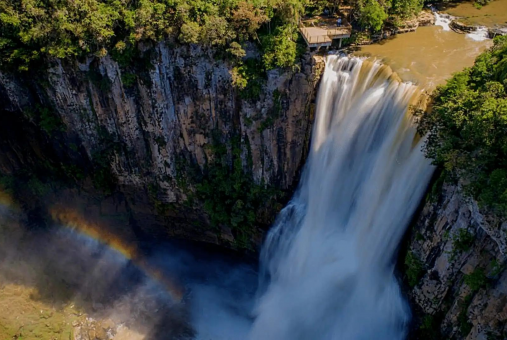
{"points": [[465, 326], [476, 280], [230, 196], [414, 269], [467, 128]]}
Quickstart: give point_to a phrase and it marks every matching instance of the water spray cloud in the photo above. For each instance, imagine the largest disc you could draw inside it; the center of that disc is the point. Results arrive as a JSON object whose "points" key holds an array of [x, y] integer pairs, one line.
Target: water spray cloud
{"points": [[74, 221]]}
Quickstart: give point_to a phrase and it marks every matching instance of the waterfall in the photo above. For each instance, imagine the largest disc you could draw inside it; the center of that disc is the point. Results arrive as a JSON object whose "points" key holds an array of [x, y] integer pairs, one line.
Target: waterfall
{"points": [[327, 266], [441, 19]]}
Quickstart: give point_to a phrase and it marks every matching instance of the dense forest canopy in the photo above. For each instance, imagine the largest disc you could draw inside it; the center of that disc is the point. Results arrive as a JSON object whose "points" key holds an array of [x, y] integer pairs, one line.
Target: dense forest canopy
{"points": [[31, 29], [468, 128]]}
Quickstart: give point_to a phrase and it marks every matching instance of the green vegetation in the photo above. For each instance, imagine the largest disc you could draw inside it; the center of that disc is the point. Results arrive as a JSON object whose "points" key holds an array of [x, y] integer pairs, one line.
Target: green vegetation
{"points": [[462, 241], [467, 128], [128, 79], [495, 268], [274, 113], [476, 280], [103, 178], [464, 325], [46, 119], [429, 328], [161, 207], [230, 196], [280, 48], [32, 30], [372, 15], [414, 269], [249, 77], [436, 188]]}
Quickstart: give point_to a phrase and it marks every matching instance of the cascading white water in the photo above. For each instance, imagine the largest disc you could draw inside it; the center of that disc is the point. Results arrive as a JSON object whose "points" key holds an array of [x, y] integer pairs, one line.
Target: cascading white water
{"points": [[328, 263], [480, 34], [442, 20]]}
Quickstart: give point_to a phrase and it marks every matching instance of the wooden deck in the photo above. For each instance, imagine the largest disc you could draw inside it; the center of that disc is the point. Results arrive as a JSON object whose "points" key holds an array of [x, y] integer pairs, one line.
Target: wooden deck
{"points": [[323, 36]]}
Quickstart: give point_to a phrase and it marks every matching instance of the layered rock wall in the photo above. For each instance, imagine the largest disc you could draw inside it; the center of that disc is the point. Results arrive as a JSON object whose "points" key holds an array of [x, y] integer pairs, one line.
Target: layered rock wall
{"points": [[159, 122], [460, 267]]}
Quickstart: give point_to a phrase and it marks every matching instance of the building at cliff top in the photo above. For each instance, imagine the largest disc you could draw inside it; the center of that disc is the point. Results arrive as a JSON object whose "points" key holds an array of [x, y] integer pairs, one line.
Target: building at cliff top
{"points": [[320, 32]]}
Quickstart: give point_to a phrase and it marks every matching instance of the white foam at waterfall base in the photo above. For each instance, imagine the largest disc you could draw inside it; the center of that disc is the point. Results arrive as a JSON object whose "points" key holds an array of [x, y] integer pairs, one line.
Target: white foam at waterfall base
{"points": [[327, 266]]}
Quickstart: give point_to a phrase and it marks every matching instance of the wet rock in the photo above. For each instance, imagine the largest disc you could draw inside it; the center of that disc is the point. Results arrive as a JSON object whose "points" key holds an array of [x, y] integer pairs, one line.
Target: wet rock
{"points": [[426, 18], [461, 27], [493, 32]]}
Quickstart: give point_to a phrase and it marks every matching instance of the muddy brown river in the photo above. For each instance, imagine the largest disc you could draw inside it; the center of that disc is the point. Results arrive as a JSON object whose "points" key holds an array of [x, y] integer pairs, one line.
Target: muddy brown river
{"points": [[432, 54], [428, 56], [493, 14]]}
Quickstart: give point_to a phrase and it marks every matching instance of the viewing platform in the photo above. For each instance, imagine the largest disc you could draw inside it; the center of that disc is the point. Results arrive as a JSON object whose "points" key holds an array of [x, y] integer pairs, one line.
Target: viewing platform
{"points": [[320, 32]]}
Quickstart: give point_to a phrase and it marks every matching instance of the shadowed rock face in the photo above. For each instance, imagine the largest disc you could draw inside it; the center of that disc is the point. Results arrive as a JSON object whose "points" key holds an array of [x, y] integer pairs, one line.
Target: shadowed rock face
{"points": [[153, 123]]}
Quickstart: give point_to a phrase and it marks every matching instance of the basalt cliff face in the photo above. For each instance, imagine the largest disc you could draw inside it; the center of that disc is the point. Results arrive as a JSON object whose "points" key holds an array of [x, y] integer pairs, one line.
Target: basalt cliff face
{"points": [[456, 260], [147, 126]]}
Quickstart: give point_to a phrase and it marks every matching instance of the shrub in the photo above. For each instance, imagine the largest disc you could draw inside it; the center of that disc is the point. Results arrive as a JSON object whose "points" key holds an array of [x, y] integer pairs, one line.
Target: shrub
{"points": [[463, 240], [280, 48], [464, 325], [128, 79], [476, 280], [414, 269], [230, 196]]}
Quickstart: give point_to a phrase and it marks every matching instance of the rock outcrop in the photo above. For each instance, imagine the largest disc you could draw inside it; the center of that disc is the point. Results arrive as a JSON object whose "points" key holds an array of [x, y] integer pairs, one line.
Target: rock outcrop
{"points": [[460, 260], [461, 27]]}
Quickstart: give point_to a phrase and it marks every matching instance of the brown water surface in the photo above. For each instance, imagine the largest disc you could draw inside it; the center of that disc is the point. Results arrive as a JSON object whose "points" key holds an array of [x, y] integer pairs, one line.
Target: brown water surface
{"points": [[428, 56], [491, 15]]}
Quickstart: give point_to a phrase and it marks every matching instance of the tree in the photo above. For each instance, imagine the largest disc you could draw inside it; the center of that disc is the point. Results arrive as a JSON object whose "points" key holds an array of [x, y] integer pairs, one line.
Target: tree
{"points": [[236, 50], [372, 16], [216, 32], [280, 48], [247, 19], [190, 33], [406, 8]]}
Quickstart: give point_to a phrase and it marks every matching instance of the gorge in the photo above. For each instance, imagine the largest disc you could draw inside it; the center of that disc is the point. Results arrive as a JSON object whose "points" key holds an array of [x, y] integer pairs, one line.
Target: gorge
{"points": [[135, 199]]}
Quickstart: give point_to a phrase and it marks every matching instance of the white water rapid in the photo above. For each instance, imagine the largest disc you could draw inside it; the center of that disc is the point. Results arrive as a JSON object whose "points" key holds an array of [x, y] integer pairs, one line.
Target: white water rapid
{"points": [[480, 34], [444, 20], [327, 267], [441, 19]]}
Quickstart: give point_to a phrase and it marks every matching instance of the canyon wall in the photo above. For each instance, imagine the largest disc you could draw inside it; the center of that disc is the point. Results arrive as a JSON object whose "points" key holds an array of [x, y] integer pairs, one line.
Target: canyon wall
{"points": [[455, 264], [154, 128]]}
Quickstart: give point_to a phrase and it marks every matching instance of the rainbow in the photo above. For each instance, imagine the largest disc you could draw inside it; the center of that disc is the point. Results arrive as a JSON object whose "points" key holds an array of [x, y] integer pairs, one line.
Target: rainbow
{"points": [[73, 220]]}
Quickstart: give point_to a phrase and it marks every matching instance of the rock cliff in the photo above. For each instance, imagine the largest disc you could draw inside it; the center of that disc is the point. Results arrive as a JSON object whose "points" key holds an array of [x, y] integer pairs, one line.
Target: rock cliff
{"points": [[153, 127], [456, 261]]}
